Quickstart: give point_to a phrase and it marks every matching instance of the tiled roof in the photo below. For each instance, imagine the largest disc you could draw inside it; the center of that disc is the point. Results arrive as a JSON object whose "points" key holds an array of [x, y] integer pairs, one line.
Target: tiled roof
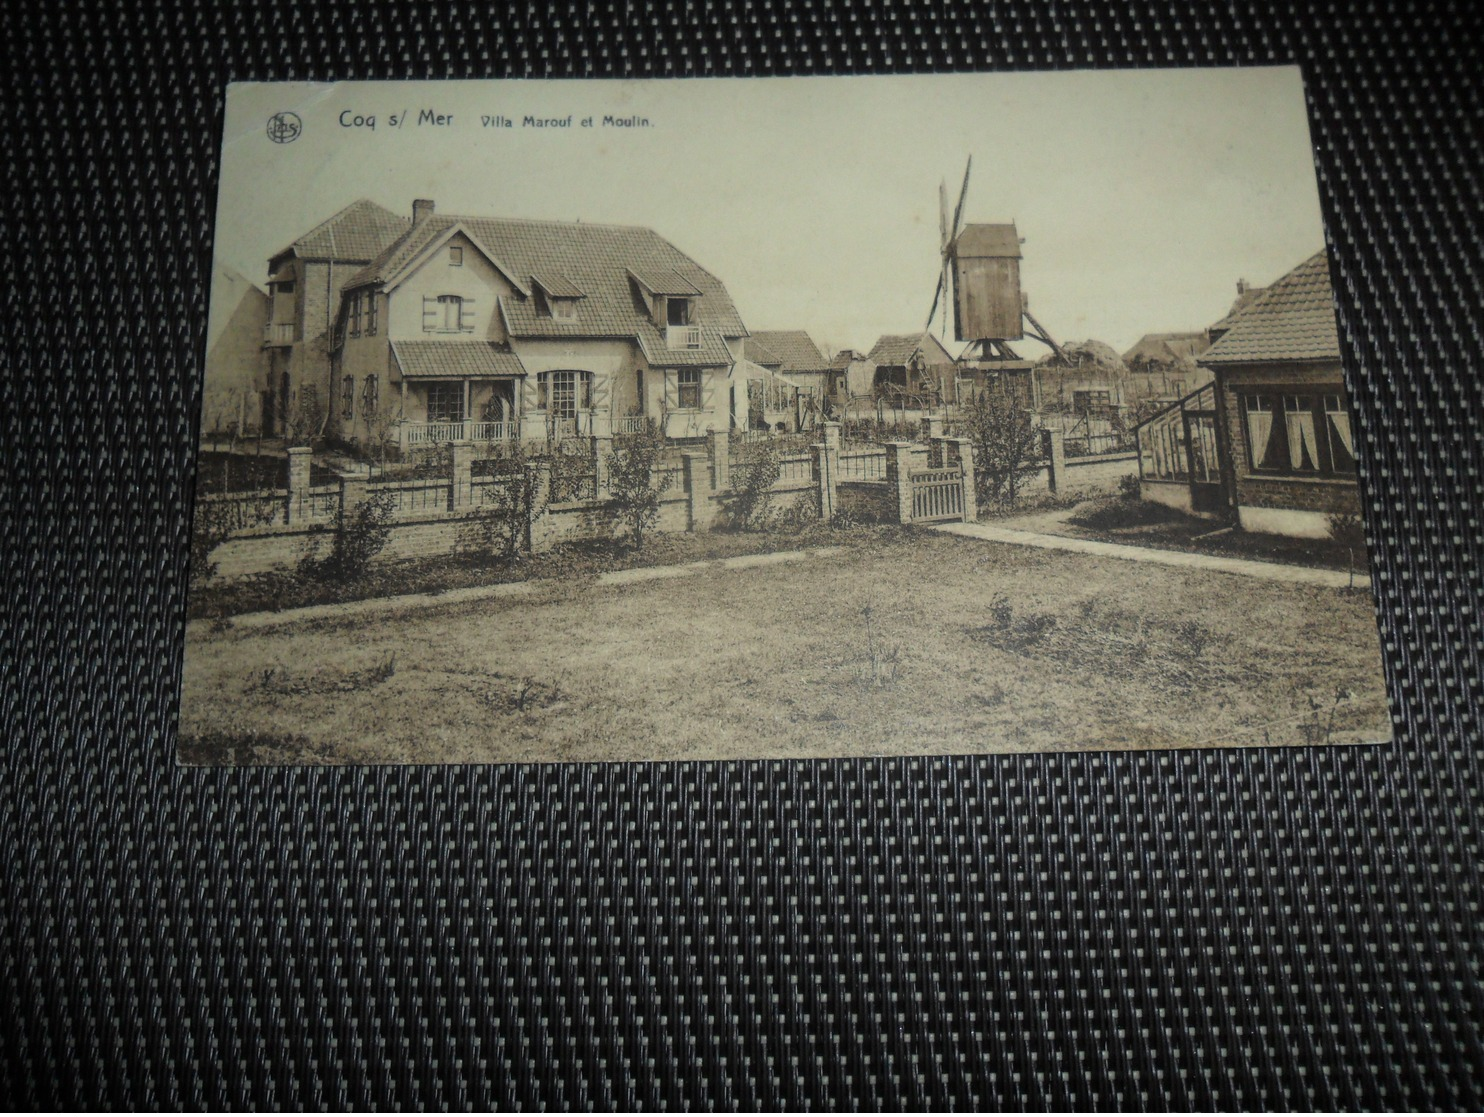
{"points": [[988, 240], [795, 349], [759, 354], [358, 232], [597, 260], [897, 349], [1293, 320], [557, 286], [456, 359], [664, 281], [1177, 348], [1243, 301]]}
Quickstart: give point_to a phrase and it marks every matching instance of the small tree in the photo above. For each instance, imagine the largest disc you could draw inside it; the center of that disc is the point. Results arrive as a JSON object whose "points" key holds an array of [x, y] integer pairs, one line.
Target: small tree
{"points": [[631, 483], [752, 484], [359, 536], [499, 525], [216, 521], [1348, 531], [1006, 443]]}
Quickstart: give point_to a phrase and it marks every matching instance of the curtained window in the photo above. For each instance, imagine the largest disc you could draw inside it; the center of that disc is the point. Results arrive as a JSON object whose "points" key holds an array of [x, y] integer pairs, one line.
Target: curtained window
{"points": [[1299, 433]]}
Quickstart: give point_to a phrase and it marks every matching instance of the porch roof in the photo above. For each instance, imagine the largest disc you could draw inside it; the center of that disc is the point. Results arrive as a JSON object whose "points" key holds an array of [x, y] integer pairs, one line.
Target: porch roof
{"points": [[456, 360]]}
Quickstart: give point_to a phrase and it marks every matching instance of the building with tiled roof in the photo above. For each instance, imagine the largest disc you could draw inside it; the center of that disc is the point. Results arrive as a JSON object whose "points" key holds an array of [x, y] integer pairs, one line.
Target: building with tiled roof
{"points": [[1162, 368], [1270, 441], [305, 281], [915, 364], [495, 328]]}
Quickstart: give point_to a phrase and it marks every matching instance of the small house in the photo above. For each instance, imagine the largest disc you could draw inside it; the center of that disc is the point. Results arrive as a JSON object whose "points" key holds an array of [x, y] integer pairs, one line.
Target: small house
{"points": [[1162, 368], [912, 366], [1270, 440]]}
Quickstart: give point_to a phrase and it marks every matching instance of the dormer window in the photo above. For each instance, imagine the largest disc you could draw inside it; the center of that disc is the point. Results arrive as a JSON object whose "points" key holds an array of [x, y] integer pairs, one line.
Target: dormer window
{"points": [[286, 287], [556, 296], [564, 308], [677, 311]]}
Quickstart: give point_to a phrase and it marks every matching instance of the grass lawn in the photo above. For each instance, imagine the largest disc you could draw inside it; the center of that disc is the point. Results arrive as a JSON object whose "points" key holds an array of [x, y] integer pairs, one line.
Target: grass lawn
{"points": [[909, 642]]}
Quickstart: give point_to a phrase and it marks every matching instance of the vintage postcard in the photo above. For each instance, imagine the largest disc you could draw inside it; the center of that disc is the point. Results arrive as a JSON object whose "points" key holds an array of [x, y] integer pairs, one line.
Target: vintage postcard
{"points": [[773, 418]]}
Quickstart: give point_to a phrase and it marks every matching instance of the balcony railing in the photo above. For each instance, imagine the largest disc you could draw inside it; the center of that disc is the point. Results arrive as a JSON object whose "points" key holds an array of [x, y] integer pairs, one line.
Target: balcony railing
{"points": [[423, 434], [683, 337], [629, 424], [278, 333]]}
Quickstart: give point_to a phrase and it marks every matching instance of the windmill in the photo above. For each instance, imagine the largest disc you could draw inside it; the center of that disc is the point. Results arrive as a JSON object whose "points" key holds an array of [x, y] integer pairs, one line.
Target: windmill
{"points": [[982, 262]]}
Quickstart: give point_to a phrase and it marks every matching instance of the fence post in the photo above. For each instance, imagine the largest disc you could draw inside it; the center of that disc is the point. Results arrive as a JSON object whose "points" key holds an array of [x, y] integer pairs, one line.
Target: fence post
{"points": [[538, 479], [697, 475], [719, 444], [826, 477], [299, 459], [353, 493], [602, 446], [932, 427], [832, 434], [1053, 449], [898, 477], [964, 452], [460, 493]]}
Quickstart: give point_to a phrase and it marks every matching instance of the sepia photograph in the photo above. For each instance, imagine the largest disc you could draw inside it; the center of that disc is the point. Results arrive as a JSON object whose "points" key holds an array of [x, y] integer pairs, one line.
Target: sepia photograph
{"points": [[752, 419]]}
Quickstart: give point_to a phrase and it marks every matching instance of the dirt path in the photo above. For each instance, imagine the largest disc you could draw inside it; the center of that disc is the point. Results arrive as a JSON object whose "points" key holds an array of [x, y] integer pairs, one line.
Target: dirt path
{"points": [[1273, 571]]}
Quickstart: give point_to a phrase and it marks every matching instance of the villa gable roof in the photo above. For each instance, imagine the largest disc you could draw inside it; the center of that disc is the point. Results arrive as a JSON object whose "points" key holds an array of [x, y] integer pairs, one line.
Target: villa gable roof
{"points": [[358, 233], [1292, 320]]}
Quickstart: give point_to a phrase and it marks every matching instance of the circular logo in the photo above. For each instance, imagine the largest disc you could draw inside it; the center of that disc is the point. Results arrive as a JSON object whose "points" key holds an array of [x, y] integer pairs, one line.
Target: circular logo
{"points": [[284, 127]]}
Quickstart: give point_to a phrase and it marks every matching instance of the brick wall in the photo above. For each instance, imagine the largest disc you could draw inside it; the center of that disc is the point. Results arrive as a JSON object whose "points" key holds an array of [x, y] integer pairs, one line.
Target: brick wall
{"points": [[1092, 476], [867, 500]]}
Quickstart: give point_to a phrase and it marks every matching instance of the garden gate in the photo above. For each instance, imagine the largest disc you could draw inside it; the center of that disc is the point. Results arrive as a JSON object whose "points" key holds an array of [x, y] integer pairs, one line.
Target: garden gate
{"points": [[937, 494]]}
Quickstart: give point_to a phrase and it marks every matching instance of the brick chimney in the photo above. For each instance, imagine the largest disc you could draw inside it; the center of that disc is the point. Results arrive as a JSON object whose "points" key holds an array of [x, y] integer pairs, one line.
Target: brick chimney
{"points": [[422, 209], [1241, 283]]}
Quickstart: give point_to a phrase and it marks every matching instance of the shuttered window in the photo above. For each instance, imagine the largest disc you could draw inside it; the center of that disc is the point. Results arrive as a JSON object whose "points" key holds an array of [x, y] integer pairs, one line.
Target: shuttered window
{"points": [[688, 389], [447, 314]]}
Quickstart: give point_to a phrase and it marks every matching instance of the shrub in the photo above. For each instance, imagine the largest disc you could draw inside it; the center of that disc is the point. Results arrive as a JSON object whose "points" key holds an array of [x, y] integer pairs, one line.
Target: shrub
{"points": [[216, 521], [631, 482], [359, 536], [500, 526], [1006, 444], [753, 479], [1128, 486]]}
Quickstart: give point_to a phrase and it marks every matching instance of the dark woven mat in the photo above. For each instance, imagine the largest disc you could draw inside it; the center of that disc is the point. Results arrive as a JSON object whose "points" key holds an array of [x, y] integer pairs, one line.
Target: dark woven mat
{"points": [[1239, 929]]}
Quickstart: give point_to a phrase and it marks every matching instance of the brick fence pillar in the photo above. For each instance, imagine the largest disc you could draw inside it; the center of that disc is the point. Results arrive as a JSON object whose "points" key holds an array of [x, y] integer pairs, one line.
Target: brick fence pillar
{"points": [[353, 493], [932, 427], [899, 466], [461, 492], [962, 452], [826, 478], [1053, 449], [298, 507], [602, 447], [700, 508], [832, 434], [719, 446]]}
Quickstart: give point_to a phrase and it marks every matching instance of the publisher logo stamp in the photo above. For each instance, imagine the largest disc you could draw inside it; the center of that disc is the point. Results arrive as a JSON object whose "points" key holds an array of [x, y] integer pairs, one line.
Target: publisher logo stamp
{"points": [[284, 127]]}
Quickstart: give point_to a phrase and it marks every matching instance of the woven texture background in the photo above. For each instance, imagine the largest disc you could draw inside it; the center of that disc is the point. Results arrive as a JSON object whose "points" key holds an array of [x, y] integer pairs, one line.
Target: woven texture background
{"points": [[1242, 929]]}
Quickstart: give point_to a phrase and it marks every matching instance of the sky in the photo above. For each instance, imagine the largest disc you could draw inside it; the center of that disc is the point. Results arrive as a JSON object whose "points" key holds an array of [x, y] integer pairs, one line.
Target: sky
{"points": [[1142, 196]]}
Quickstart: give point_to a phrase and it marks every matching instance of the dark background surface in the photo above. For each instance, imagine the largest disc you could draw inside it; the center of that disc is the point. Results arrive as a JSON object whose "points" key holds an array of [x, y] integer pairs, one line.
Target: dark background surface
{"points": [[1239, 929]]}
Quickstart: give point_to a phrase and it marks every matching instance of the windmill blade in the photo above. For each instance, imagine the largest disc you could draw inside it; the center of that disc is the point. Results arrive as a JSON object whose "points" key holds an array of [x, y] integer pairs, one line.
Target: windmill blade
{"points": [[943, 214], [942, 278], [958, 210]]}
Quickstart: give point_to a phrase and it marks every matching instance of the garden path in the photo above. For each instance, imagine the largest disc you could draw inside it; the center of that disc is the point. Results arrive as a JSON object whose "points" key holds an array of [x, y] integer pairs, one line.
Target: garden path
{"points": [[1273, 571]]}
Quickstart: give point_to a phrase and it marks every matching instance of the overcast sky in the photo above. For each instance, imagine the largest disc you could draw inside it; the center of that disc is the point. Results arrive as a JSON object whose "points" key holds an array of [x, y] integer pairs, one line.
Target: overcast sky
{"points": [[1142, 195]]}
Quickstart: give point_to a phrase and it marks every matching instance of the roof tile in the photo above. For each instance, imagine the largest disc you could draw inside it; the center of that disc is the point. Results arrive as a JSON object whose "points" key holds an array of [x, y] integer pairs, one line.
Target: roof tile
{"points": [[1292, 320], [456, 359]]}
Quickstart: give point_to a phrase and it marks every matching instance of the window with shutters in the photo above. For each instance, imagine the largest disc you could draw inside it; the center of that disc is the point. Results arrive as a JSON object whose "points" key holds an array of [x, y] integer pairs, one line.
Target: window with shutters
{"points": [[371, 311], [1299, 434], [565, 392], [448, 314], [370, 396], [688, 389], [348, 397], [355, 315]]}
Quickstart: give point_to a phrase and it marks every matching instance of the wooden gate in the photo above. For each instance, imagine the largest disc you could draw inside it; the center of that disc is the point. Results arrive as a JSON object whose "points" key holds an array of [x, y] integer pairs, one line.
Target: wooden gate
{"points": [[937, 494]]}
